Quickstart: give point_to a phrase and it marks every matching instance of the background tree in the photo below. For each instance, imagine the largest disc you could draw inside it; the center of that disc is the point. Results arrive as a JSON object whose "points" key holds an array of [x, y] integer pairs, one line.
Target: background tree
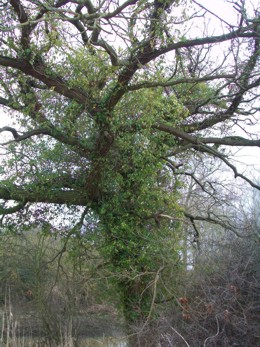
{"points": [[51, 291], [110, 101], [221, 292]]}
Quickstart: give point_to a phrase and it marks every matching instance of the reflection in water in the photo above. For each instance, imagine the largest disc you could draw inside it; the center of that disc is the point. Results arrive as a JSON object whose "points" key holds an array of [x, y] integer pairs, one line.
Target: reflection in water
{"points": [[104, 342], [84, 342]]}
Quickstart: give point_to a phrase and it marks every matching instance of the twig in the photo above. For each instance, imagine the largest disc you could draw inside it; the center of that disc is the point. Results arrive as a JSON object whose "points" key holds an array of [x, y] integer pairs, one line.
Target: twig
{"points": [[176, 332], [211, 337]]}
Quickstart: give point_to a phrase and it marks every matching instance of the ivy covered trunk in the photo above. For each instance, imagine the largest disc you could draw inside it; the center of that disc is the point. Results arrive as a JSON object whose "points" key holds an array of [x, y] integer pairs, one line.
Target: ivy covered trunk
{"points": [[140, 267], [139, 243], [136, 298], [137, 277], [142, 254]]}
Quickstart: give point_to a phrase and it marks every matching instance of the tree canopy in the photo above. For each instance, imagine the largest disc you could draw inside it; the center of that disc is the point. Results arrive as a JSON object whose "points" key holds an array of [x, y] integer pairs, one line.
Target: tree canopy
{"points": [[113, 101], [94, 79]]}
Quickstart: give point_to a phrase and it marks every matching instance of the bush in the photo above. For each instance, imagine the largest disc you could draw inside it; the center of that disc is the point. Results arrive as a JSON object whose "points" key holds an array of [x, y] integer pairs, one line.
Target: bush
{"points": [[220, 302], [48, 283]]}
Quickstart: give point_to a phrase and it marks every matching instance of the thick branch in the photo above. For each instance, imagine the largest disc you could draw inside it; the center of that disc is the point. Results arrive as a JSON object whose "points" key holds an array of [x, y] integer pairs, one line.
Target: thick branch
{"points": [[53, 82], [10, 210], [53, 132], [200, 144], [225, 141], [245, 32], [12, 130], [55, 196], [23, 18]]}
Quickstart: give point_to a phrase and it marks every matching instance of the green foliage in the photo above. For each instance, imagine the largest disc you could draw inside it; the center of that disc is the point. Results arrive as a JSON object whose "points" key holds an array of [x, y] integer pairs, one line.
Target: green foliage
{"points": [[198, 94], [91, 72], [137, 242]]}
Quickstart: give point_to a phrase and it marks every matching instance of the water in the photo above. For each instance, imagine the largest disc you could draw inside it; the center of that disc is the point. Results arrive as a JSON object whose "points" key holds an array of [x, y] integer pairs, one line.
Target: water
{"points": [[104, 342], [84, 342]]}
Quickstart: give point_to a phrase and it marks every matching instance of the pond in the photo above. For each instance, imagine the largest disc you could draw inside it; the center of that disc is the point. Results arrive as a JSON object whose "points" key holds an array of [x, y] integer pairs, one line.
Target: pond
{"points": [[84, 342], [104, 342]]}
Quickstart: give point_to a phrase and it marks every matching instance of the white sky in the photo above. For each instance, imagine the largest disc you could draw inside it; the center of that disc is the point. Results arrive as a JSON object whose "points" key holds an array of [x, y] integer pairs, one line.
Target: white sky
{"points": [[226, 10]]}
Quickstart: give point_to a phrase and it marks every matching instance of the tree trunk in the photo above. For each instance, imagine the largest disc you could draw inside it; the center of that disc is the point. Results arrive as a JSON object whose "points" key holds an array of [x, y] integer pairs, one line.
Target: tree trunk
{"points": [[136, 299]]}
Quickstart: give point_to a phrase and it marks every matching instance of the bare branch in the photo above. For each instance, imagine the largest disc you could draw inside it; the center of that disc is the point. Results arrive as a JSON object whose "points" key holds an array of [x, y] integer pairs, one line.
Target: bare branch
{"points": [[119, 9], [225, 225], [148, 53], [212, 151], [214, 14], [176, 82]]}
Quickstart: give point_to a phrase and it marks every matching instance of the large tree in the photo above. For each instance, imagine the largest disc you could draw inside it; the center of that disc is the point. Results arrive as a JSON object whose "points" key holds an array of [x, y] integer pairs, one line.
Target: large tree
{"points": [[110, 102]]}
